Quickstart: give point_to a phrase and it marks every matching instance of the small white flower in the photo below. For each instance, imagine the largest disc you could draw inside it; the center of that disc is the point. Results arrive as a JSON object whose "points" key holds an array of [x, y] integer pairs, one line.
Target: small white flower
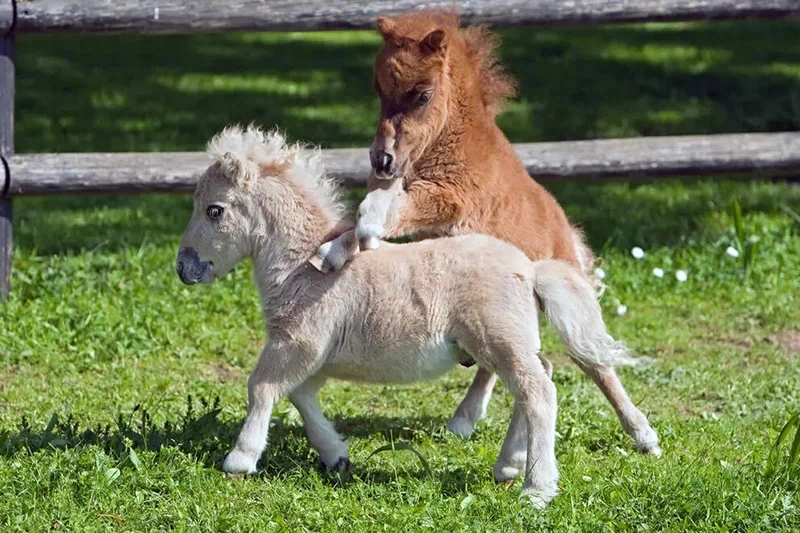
{"points": [[622, 309], [637, 252], [587, 479], [731, 251], [681, 276], [753, 239], [600, 273], [657, 272]]}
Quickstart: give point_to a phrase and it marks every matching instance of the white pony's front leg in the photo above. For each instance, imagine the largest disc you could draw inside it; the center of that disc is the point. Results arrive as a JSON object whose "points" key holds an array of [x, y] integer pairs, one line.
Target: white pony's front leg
{"points": [[377, 211], [276, 373], [321, 434]]}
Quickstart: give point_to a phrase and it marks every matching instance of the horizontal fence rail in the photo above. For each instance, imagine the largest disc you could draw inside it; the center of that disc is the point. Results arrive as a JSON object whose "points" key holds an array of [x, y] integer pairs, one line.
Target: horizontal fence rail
{"points": [[165, 16], [768, 154]]}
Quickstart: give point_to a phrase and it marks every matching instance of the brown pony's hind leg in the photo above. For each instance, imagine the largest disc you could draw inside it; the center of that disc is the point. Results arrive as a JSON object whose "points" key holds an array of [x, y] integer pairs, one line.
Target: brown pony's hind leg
{"points": [[473, 407], [632, 419]]}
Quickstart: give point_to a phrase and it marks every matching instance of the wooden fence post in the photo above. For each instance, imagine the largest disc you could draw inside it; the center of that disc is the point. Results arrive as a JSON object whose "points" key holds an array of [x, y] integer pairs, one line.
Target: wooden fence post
{"points": [[6, 149]]}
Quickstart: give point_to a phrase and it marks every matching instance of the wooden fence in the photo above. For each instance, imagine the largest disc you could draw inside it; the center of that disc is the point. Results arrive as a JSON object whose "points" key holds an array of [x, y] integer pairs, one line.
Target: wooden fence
{"points": [[755, 154]]}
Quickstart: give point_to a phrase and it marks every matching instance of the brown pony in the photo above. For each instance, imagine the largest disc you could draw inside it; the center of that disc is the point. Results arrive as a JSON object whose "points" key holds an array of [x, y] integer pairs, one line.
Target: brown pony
{"points": [[443, 167]]}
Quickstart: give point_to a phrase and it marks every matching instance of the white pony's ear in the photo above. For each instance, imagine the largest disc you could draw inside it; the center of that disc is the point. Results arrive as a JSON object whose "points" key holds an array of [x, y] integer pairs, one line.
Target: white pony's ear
{"points": [[234, 168]]}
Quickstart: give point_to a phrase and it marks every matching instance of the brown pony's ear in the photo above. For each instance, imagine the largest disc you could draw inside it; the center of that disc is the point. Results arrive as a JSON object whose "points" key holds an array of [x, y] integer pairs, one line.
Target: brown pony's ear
{"points": [[434, 42], [385, 27]]}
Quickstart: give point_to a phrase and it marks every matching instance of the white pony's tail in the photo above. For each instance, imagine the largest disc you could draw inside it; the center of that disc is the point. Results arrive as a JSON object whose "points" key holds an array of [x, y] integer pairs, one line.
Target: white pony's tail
{"points": [[569, 302]]}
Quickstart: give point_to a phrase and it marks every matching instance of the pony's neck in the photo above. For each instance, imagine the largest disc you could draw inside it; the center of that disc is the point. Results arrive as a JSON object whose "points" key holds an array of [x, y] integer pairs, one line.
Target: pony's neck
{"points": [[282, 251]]}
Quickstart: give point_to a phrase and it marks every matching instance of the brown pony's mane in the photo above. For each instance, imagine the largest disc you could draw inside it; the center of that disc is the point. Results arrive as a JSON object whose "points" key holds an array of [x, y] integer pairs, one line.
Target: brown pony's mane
{"points": [[479, 46]]}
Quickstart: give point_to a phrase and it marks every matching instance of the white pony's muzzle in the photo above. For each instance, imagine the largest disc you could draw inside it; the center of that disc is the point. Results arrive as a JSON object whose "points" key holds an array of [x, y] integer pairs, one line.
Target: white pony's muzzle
{"points": [[191, 269]]}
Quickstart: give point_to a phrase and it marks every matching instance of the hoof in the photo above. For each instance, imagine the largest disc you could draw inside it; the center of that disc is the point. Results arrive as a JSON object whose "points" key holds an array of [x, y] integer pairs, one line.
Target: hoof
{"points": [[461, 427], [647, 442], [369, 243], [239, 463], [654, 450], [341, 466], [539, 498], [321, 264], [506, 474]]}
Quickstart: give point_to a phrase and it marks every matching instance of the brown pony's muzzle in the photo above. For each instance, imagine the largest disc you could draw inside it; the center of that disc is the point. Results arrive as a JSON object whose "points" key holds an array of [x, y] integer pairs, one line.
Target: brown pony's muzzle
{"points": [[381, 161]]}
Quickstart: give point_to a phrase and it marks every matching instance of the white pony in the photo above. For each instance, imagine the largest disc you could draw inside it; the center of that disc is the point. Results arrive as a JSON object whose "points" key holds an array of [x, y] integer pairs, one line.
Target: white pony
{"points": [[402, 313]]}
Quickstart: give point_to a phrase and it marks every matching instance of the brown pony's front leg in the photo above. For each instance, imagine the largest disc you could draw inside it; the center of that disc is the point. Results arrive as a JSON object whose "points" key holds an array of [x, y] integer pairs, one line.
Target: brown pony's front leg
{"points": [[333, 255], [390, 210]]}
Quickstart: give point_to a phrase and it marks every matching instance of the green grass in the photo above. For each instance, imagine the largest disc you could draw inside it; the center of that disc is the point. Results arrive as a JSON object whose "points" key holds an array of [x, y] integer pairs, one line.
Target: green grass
{"points": [[98, 324]]}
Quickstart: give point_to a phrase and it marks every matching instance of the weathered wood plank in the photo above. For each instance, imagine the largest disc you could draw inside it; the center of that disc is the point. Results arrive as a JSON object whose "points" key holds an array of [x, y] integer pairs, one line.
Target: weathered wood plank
{"points": [[762, 154], [155, 16], [6, 16], [6, 150]]}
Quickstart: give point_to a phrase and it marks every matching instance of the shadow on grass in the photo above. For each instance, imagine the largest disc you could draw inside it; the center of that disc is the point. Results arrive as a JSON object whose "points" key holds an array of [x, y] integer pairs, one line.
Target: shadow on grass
{"points": [[200, 433]]}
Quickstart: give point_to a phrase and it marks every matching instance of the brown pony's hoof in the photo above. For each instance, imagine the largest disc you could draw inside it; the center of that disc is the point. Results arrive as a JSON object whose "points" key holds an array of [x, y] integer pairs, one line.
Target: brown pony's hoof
{"points": [[320, 264], [369, 243]]}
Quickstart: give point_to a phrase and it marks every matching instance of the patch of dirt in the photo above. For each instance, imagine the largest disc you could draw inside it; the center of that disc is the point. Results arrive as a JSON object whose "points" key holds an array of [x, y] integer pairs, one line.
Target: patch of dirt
{"points": [[223, 372], [787, 339], [226, 373]]}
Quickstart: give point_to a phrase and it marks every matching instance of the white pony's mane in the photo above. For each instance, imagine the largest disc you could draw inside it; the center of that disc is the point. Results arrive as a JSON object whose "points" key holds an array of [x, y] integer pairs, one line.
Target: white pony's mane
{"points": [[303, 165]]}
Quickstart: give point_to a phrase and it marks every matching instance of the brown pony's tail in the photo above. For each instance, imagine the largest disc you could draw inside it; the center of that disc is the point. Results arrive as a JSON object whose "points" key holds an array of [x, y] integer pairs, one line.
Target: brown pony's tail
{"points": [[587, 260]]}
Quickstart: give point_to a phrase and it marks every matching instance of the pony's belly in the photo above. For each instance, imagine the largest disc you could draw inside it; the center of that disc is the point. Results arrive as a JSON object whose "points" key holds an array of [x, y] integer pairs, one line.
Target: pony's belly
{"points": [[396, 366]]}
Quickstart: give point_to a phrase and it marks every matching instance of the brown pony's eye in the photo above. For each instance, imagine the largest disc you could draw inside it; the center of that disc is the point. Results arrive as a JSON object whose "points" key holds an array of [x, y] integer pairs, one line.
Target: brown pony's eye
{"points": [[214, 211], [424, 97]]}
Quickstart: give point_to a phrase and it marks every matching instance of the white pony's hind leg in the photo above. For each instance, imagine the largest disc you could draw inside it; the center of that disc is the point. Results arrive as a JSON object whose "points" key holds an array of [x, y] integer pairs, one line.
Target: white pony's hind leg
{"points": [[535, 396], [514, 451], [473, 406], [321, 434]]}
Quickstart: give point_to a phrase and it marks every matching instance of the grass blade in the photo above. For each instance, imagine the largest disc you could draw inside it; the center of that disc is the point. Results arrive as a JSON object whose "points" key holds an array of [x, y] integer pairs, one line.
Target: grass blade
{"points": [[750, 256], [787, 428], [738, 222], [134, 459], [791, 212], [794, 454], [393, 446]]}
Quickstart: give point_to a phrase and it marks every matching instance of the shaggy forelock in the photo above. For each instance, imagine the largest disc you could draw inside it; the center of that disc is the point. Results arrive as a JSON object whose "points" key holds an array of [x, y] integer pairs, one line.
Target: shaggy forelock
{"points": [[298, 164]]}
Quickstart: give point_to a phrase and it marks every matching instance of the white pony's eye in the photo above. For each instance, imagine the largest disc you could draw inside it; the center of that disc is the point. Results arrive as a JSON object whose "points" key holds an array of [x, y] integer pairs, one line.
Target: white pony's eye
{"points": [[214, 211]]}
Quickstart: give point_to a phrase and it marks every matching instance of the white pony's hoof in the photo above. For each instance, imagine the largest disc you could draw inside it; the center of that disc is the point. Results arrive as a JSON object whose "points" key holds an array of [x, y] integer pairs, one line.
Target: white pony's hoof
{"points": [[238, 462], [461, 427], [653, 449], [539, 498], [506, 473], [343, 466]]}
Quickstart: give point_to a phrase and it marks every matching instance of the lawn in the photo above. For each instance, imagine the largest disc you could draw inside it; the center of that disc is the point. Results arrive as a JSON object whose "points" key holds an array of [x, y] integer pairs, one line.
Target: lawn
{"points": [[121, 390]]}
